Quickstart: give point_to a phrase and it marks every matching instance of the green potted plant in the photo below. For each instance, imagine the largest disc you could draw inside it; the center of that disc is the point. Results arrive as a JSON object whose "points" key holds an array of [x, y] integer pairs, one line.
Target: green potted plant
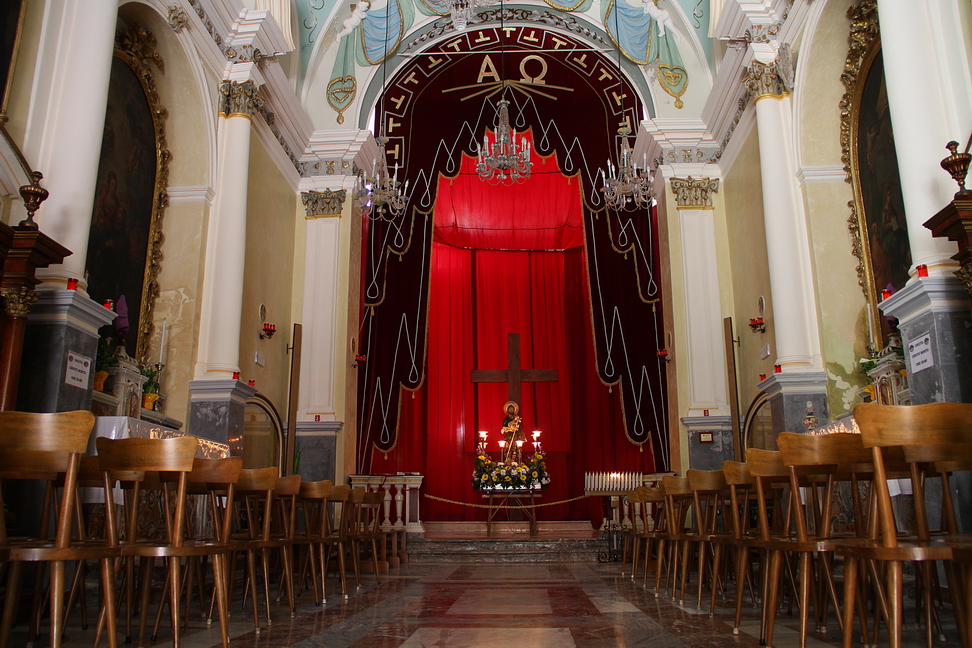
{"points": [[150, 389], [106, 358]]}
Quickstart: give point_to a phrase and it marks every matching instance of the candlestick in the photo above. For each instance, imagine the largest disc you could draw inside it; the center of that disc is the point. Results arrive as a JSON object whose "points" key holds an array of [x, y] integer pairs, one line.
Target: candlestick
{"points": [[502, 445], [162, 343], [536, 435], [483, 434], [519, 443]]}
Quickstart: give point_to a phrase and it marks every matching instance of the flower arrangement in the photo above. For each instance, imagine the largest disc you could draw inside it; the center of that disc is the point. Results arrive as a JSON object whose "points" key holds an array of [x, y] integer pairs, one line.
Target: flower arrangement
{"points": [[491, 475]]}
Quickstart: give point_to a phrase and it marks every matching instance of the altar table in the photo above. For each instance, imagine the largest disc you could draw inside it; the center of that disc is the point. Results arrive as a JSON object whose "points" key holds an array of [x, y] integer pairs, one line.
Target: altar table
{"points": [[513, 497]]}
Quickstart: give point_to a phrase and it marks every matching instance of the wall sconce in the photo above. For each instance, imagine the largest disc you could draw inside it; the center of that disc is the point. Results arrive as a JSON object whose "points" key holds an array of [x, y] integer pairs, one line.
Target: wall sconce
{"points": [[663, 355], [757, 325], [268, 331]]}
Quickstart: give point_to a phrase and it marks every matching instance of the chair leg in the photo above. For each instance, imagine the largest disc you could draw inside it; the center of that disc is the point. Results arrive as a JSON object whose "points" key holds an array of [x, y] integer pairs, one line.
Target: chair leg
{"points": [[145, 564], [658, 565], [108, 592], [742, 556], [805, 566], [222, 605], [374, 559], [174, 592], [716, 565], [895, 592], [58, 578], [772, 594], [251, 568], [288, 568], [265, 563]]}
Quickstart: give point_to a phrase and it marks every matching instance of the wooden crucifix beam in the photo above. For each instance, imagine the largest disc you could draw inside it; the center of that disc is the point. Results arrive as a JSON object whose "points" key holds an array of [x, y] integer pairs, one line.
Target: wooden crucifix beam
{"points": [[515, 375]]}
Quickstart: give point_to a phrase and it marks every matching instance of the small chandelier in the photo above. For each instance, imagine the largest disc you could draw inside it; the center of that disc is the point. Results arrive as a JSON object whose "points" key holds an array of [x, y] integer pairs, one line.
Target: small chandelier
{"points": [[380, 196], [461, 12], [504, 154], [626, 188]]}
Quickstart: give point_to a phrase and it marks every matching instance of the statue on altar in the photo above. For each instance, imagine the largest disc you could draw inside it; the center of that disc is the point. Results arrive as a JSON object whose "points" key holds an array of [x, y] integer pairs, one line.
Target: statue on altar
{"points": [[512, 432]]}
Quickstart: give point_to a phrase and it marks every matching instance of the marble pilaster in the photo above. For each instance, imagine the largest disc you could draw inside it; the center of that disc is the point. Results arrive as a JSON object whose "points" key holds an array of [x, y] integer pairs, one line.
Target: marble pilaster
{"points": [[318, 443], [703, 309], [60, 323], [216, 409], [708, 452]]}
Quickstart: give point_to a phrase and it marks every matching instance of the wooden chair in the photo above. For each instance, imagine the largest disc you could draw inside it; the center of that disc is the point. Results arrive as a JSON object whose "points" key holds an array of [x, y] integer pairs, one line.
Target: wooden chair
{"points": [[646, 526], [131, 460], [309, 538], [743, 539], [678, 502], [364, 527], [884, 427], [255, 498], [43, 446], [769, 472], [709, 494], [819, 463]]}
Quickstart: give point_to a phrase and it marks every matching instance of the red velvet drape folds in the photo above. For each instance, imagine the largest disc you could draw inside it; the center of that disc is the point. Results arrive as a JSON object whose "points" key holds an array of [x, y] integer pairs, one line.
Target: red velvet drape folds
{"points": [[510, 260]]}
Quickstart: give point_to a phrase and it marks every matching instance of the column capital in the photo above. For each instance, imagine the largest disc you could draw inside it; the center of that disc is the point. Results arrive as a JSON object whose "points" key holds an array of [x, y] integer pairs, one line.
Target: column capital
{"points": [[239, 98], [694, 193], [771, 79], [323, 203]]}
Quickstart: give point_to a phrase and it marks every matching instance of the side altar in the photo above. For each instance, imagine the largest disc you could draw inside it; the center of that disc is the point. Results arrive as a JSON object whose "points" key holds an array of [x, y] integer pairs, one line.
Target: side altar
{"points": [[510, 478]]}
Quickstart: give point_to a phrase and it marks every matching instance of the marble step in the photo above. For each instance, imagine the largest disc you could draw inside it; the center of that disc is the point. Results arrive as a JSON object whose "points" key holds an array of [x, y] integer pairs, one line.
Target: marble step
{"points": [[505, 550]]}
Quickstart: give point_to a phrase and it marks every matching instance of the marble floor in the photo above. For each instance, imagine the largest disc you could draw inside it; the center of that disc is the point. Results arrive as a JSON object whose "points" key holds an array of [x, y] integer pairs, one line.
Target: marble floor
{"points": [[542, 605]]}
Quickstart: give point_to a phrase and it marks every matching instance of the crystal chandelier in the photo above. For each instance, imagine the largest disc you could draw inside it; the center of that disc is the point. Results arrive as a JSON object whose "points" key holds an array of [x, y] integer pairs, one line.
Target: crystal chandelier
{"points": [[504, 154], [461, 12], [380, 196], [627, 188]]}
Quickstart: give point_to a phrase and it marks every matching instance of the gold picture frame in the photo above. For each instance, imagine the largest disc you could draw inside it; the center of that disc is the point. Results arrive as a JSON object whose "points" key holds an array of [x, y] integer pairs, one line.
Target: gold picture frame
{"points": [[135, 47], [876, 223]]}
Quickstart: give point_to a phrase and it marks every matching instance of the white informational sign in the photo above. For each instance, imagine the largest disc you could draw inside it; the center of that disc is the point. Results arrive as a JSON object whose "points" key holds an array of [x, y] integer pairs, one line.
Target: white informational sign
{"points": [[920, 353], [78, 370]]}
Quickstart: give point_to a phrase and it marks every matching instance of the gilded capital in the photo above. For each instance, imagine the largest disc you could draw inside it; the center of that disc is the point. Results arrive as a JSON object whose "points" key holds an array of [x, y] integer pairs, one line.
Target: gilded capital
{"points": [[17, 300], [694, 193], [239, 98], [323, 203], [965, 274], [764, 80]]}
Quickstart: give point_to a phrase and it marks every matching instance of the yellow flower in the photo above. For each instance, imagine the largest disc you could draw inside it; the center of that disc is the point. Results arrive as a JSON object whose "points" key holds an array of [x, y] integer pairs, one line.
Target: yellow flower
{"points": [[535, 474], [485, 477]]}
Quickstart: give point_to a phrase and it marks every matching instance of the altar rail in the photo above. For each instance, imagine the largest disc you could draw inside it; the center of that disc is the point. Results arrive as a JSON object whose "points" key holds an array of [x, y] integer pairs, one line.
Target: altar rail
{"points": [[612, 486], [402, 510]]}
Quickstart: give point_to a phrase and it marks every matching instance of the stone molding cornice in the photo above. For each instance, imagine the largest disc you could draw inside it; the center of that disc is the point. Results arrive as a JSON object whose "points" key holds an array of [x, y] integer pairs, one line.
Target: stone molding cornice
{"points": [[707, 422], [323, 203], [936, 294], [76, 307], [694, 193], [319, 428]]}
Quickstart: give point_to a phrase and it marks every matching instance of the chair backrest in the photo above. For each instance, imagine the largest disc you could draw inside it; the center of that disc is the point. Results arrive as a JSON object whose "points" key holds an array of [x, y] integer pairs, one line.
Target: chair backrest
{"points": [[40, 446], [706, 480], [901, 425], [142, 455], [316, 490], [128, 460], [217, 478]]}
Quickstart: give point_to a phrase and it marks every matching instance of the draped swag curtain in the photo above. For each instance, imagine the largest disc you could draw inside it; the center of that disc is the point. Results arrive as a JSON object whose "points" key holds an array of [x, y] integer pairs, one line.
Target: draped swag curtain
{"points": [[471, 262]]}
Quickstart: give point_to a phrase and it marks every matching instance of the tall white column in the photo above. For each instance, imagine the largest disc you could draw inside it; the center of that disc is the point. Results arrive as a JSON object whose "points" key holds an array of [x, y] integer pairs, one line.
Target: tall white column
{"points": [[788, 247], [222, 296], [703, 306], [927, 76], [67, 120]]}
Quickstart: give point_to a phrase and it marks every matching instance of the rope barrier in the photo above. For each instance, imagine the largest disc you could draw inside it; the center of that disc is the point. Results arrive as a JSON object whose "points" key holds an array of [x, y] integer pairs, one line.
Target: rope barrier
{"points": [[504, 506]]}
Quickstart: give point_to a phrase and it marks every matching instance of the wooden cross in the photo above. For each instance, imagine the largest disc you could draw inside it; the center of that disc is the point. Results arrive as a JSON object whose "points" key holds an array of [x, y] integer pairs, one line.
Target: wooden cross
{"points": [[515, 376]]}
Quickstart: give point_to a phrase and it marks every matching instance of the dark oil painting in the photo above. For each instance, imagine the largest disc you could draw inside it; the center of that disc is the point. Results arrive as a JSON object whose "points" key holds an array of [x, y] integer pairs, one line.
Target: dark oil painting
{"points": [[880, 184], [122, 215]]}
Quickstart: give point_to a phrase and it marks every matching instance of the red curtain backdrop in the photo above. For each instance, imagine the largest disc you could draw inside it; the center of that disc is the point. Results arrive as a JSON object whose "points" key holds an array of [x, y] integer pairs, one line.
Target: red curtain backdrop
{"points": [[510, 260]]}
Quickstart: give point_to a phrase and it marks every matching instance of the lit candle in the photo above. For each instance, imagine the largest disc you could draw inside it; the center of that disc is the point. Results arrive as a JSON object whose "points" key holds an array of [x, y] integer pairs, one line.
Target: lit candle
{"points": [[483, 434], [162, 343], [536, 435], [519, 443]]}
